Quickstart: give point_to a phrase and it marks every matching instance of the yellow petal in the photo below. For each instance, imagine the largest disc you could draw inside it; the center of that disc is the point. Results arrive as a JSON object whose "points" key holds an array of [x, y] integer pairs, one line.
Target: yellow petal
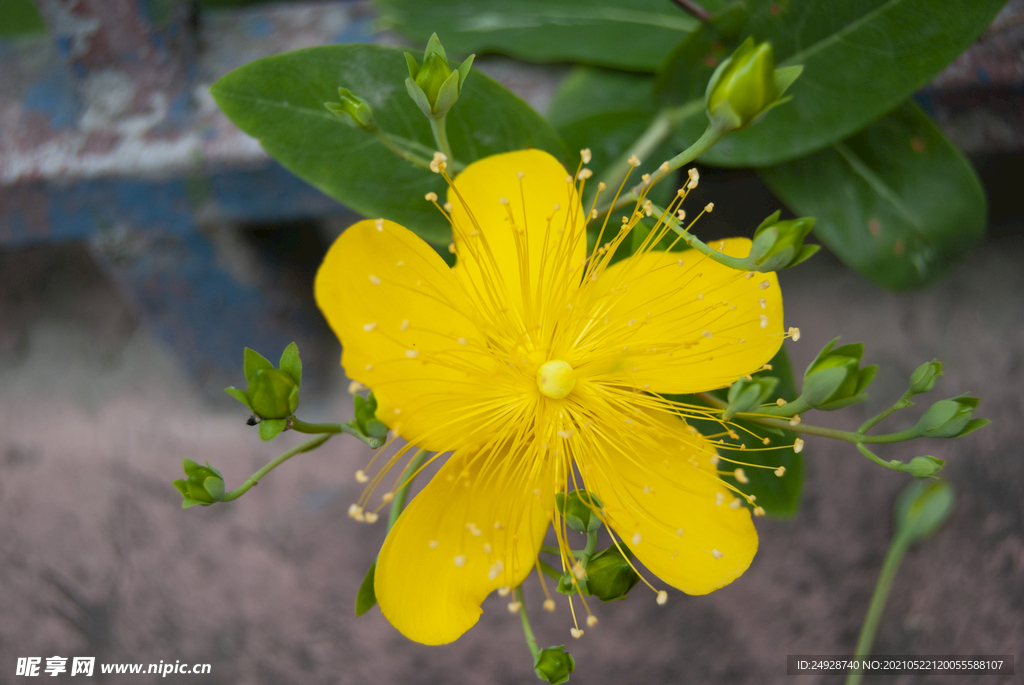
{"points": [[435, 569], [676, 519], [679, 322], [506, 226], [401, 317]]}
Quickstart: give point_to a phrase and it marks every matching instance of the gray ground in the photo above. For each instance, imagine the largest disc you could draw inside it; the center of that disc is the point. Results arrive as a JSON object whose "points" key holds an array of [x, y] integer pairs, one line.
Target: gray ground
{"points": [[97, 557]]}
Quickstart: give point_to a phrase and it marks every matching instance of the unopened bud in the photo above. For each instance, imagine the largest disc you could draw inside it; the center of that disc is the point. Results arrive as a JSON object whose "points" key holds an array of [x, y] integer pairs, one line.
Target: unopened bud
{"points": [[924, 377], [609, 574], [554, 664], [834, 380], [353, 110], [581, 510], [747, 394], [923, 467], [950, 418], [780, 244], [746, 85], [434, 85], [202, 485]]}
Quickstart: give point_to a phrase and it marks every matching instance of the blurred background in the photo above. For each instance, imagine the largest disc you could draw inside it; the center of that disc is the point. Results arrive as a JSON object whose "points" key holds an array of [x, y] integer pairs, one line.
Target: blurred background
{"points": [[144, 241]]}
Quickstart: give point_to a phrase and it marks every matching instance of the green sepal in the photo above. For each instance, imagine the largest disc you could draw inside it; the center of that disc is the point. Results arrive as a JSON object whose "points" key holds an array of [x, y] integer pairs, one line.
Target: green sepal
{"points": [[291, 364], [366, 598], [972, 425], [568, 584], [238, 394], [203, 485], [271, 428], [834, 380], [253, 362], [182, 486]]}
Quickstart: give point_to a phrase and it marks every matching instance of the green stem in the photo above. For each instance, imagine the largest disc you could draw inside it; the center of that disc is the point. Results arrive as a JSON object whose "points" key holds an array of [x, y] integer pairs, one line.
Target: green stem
{"points": [[867, 630], [589, 549], [901, 403], [408, 475], [531, 641], [712, 134], [333, 428], [401, 152], [847, 436], [255, 478], [551, 549], [440, 129], [550, 571]]}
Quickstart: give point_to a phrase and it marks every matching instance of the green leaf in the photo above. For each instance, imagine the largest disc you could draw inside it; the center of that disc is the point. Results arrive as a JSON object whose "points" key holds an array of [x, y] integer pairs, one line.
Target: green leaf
{"points": [[291, 364], [607, 111], [633, 35], [366, 597], [861, 59], [253, 362], [271, 428], [897, 202], [778, 496], [279, 100]]}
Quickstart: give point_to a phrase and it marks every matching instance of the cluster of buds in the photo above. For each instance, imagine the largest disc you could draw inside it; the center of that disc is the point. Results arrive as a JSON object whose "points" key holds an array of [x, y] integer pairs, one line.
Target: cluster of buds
{"points": [[273, 393], [435, 85], [746, 86]]}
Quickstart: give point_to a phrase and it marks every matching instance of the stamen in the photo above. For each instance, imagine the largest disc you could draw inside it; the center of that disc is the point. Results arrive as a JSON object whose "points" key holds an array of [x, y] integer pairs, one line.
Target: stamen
{"points": [[430, 197], [354, 387], [460, 560], [798, 445], [379, 224], [576, 633], [662, 597], [514, 607], [549, 605], [585, 155], [794, 333]]}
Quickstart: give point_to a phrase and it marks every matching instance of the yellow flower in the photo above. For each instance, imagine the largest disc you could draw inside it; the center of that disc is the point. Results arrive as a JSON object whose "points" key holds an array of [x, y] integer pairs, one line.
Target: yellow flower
{"points": [[538, 370]]}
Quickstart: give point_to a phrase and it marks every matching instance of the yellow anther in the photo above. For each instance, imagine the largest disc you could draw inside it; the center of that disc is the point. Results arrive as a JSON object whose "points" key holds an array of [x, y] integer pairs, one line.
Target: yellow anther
{"points": [[555, 379], [798, 445], [585, 155], [371, 517], [549, 605], [662, 596], [430, 197], [781, 471], [576, 633], [794, 333], [633, 160], [716, 554], [591, 621], [741, 476], [361, 477], [354, 387], [460, 560], [514, 607], [387, 497], [503, 591]]}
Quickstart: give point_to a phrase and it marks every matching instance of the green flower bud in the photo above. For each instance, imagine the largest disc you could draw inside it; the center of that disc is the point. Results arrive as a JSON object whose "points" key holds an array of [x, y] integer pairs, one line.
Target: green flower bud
{"points": [[273, 394], [924, 377], [434, 85], [780, 244], [554, 664], [580, 509], [202, 485], [923, 467], [747, 394], [834, 380], [950, 418], [746, 85], [609, 575], [353, 110], [921, 508]]}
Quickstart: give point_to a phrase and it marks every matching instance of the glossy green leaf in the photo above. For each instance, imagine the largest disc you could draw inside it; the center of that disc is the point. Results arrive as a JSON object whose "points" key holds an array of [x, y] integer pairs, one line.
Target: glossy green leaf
{"points": [[280, 100], [633, 35], [778, 496], [861, 59], [897, 202], [366, 598]]}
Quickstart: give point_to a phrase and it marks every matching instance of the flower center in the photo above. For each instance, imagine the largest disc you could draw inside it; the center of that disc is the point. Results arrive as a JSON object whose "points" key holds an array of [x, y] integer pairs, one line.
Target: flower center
{"points": [[555, 379]]}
